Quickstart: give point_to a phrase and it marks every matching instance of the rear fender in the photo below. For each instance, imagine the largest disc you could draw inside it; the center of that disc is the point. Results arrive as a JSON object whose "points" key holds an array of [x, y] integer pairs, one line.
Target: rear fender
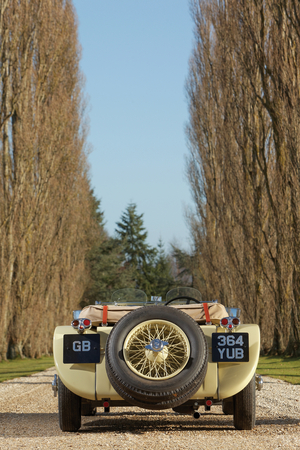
{"points": [[234, 377], [78, 378]]}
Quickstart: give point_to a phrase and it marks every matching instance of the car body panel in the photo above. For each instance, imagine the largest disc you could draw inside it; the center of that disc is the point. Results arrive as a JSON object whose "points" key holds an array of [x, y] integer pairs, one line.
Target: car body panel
{"points": [[233, 377], [78, 378], [222, 380]]}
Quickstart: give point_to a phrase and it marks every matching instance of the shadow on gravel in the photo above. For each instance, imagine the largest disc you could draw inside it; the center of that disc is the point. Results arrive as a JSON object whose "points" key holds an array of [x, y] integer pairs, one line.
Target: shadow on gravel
{"points": [[142, 423], [14, 425], [280, 421], [145, 422]]}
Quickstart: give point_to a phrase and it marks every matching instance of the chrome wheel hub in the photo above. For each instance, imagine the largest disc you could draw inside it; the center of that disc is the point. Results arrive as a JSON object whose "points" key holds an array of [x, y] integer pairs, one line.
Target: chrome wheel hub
{"points": [[156, 345]]}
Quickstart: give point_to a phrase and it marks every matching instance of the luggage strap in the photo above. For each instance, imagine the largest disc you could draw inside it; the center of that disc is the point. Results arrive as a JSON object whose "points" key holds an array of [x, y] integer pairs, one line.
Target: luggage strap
{"points": [[207, 316], [104, 316]]}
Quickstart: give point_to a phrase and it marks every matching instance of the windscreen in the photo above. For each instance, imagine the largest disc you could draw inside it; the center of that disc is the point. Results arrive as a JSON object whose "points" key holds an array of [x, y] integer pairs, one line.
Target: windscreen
{"points": [[183, 292], [129, 296]]}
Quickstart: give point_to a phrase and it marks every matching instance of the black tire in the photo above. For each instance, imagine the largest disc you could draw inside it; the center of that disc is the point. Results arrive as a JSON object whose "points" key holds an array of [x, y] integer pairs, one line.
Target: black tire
{"points": [[155, 406], [244, 407], [227, 406], [87, 409], [161, 393], [69, 408]]}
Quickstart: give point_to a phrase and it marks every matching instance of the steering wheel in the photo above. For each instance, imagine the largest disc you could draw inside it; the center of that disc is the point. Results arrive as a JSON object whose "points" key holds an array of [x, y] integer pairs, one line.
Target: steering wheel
{"points": [[188, 299]]}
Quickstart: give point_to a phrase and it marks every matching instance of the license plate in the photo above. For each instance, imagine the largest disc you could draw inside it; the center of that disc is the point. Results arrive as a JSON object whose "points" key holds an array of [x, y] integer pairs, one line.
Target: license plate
{"points": [[230, 347], [81, 348]]}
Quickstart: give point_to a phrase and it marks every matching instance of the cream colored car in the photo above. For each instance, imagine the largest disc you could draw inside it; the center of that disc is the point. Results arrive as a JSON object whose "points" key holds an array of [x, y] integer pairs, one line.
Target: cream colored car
{"points": [[181, 354]]}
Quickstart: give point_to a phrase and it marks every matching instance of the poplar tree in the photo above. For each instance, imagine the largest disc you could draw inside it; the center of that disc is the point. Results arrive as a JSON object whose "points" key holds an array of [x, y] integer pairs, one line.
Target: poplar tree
{"points": [[243, 164], [45, 211]]}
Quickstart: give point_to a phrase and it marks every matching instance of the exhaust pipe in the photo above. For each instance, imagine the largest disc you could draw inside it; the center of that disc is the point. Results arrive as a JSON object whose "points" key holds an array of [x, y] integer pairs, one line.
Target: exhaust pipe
{"points": [[188, 410]]}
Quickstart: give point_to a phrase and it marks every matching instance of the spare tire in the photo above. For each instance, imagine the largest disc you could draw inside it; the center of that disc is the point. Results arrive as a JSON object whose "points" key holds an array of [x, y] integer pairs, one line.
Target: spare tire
{"points": [[156, 357]]}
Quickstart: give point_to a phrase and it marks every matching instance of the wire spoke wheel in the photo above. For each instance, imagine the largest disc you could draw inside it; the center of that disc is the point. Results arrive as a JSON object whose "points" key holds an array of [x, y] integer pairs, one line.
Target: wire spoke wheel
{"points": [[154, 364]]}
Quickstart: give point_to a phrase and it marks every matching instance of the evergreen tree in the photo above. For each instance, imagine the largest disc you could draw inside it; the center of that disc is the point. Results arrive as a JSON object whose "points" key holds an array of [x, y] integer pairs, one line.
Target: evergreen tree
{"points": [[107, 272], [138, 254], [164, 281], [105, 262]]}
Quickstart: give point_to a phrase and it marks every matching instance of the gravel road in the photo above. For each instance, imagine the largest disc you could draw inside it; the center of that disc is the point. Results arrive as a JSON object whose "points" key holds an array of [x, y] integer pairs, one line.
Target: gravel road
{"points": [[29, 420]]}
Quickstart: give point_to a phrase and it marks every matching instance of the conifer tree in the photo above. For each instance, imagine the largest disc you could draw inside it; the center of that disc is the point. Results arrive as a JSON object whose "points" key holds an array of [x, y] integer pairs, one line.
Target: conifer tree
{"points": [[138, 254], [105, 262], [164, 281]]}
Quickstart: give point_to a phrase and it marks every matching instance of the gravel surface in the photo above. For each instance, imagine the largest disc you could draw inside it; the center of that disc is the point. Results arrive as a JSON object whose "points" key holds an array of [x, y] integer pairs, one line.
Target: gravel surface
{"points": [[29, 419]]}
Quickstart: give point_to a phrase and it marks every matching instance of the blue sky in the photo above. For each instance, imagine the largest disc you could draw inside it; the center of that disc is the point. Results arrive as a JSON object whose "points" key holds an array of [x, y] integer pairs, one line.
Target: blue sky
{"points": [[135, 60]]}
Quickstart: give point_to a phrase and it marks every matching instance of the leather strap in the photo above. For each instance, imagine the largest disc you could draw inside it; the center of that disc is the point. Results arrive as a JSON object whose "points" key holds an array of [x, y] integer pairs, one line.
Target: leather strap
{"points": [[207, 316], [104, 315]]}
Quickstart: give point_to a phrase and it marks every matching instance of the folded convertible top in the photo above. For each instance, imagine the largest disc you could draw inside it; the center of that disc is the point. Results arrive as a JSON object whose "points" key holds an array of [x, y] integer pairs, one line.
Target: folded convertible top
{"points": [[115, 313]]}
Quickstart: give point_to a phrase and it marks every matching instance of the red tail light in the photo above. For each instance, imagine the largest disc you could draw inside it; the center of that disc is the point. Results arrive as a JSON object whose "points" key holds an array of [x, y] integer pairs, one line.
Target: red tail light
{"points": [[86, 322], [224, 322], [81, 324], [229, 322]]}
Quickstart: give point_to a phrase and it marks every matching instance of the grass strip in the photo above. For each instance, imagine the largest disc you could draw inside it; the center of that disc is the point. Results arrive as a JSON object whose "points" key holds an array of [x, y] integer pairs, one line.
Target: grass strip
{"points": [[16, 368], [283, 368]]}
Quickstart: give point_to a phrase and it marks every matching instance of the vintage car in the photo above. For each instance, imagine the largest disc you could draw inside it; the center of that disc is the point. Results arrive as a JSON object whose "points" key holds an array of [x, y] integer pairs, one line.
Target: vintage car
{"points": [[182, 354]]}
